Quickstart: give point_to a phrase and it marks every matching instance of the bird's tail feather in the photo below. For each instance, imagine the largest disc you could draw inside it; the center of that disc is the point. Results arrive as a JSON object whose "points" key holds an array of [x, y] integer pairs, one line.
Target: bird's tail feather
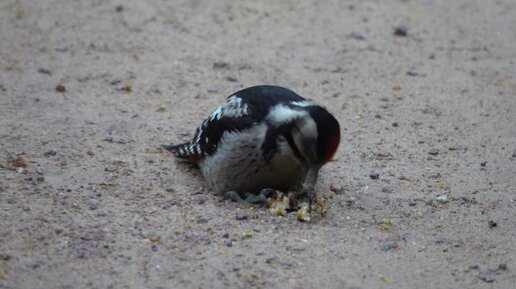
{"points": [[187, 151]]}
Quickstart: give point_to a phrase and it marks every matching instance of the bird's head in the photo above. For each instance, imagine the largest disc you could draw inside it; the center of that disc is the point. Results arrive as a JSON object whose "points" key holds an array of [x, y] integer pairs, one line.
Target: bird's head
{"points": [[316, 135]]}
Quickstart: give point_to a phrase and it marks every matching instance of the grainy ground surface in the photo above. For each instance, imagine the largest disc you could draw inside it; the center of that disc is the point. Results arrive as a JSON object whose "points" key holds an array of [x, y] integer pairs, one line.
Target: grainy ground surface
{"points": [[90, 89]]}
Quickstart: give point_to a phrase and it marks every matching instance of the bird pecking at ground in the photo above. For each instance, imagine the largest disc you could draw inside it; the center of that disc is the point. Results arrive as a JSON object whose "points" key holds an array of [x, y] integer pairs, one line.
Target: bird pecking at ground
{"points": [[261, 138]]}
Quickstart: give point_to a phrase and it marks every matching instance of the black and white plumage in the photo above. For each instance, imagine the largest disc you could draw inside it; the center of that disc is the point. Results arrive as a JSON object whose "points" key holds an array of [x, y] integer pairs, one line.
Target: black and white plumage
{"points": [[263, 137]]}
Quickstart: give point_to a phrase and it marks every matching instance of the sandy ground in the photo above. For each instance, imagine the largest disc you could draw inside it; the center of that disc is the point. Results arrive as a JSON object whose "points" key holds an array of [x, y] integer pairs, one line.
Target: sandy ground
{"points": [[90, 89]]}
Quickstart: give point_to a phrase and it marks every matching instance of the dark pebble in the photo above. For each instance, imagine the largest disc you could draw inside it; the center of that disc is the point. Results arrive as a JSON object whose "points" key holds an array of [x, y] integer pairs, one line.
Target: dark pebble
{"points": [[241, 216], [90, 153], [386, 190], [229, 243], [492, 223], [433, 152], [483, 164], [154, 248], [88, 237], [487, 278], [473, 267], [40, 179], [401, 31], [374, 176], [270, 260], [502, 266], [395, 124], [231, 79], [225, 236], [44, 71], [356, 36], [200, 199], [119, 8], [60, 88], [50, 153], [220, 64]]}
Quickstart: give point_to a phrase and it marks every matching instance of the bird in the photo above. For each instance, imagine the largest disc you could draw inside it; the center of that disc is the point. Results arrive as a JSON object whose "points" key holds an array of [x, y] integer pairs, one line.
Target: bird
{"points": [[262, 138]]}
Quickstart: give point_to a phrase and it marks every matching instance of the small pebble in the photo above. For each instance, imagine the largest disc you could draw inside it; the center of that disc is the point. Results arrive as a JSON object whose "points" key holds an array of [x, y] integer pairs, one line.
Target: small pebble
{"points": [[229, 243], [90, 153], [60, 88], [401, 31], [200, 199], [386, 190], [231, 79], [433, 152], [44, 71], [395, 124], [220, 64], [102, 214], [388, 246], [155, 238], [154, 248], [356, 36], [50, 153], [502, 266], [374, 176], [93, 205], [442, 199], [473, 267], [241, 216], [487, 278], [492, 223], [483, 164], [336, 187]]}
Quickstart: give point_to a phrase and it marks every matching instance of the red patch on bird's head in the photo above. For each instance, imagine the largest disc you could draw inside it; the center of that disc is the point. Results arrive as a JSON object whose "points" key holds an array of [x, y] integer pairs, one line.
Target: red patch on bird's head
{"points": [[332, 145], [328, 138]]}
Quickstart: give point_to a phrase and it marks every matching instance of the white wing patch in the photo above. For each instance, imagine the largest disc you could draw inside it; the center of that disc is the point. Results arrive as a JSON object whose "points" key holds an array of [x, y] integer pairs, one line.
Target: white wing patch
{"points": [[280, 114], [232, 107], [303, 103]]}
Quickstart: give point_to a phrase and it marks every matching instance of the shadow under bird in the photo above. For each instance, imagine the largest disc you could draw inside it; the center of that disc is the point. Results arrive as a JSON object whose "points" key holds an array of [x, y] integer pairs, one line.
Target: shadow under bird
{"points": [[261, 138]]}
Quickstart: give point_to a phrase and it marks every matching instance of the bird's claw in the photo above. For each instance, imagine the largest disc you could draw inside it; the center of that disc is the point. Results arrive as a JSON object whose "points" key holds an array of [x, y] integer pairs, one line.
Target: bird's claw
{"points": [[246, 198], [307, 191]]}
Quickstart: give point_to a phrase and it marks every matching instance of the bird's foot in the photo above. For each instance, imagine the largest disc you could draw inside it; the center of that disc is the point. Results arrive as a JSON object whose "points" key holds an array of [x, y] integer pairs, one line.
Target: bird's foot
{"points": [[247, 198], [306, 191]]}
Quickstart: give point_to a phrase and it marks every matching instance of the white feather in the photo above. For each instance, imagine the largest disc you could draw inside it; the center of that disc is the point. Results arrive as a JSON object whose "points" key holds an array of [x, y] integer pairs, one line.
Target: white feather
{"points": [[280, 114]]}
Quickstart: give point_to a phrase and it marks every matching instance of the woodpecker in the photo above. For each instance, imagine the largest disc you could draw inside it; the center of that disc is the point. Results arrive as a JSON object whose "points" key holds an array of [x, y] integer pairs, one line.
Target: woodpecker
{"points": [[263, 137]]}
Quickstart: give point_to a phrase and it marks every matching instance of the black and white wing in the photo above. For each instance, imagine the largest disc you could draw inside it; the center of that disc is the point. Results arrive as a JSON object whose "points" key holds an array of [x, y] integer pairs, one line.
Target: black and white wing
{"points": [[240, 111]]}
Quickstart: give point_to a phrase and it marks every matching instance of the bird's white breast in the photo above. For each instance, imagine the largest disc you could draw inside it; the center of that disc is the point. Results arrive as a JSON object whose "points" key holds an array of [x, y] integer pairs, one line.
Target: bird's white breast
{"points": [[239, 164]]}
